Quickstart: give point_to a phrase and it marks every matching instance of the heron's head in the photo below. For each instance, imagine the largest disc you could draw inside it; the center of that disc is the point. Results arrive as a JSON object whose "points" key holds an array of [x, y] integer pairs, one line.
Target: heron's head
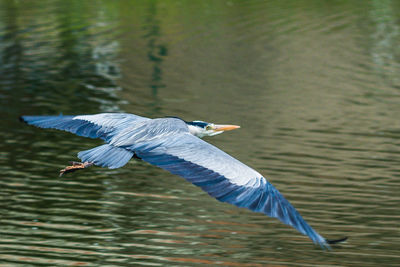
{"points": [[201, 128]]}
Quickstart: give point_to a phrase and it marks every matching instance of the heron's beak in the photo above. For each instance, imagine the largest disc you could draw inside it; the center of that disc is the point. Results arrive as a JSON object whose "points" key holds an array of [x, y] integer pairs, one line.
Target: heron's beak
{"points": [[225, 127]]}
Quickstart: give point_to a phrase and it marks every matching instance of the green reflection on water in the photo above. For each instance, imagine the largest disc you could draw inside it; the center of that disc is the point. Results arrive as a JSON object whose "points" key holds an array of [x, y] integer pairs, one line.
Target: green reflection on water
{"points": [[314, 85]]}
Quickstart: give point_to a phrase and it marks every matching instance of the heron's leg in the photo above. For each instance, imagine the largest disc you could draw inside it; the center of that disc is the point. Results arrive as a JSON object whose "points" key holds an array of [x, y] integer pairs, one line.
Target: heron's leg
{"points": [[75, 166]]}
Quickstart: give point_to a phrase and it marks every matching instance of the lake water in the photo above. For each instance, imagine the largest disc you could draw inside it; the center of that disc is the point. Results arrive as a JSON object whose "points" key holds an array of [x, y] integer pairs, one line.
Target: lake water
{"points": [[315, 86]]}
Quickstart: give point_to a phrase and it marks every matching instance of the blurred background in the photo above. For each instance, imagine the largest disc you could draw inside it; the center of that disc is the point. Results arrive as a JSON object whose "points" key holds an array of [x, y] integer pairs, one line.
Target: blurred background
{"points": [[314, 84]]}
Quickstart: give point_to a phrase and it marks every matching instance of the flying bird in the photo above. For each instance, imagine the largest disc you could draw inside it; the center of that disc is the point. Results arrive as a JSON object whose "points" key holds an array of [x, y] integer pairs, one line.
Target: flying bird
{"points": [[176, 146]]}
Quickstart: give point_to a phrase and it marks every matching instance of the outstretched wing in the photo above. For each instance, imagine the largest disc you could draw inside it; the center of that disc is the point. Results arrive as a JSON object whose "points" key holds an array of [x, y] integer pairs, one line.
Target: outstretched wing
{"points": [[94, 126], [223, 177]]}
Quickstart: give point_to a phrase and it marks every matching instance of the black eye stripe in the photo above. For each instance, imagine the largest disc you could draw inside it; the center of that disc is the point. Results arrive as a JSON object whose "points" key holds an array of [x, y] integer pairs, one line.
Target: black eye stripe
{"points": [[201, 124]]}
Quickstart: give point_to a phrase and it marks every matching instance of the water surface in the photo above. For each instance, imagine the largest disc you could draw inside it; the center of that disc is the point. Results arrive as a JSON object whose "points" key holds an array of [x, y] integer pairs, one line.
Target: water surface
{"points": [[314, 84]]}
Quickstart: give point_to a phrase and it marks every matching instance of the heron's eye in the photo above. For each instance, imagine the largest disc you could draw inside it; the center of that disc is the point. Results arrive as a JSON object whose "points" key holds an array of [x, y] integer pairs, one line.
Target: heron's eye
{"points": [[208, 127]]}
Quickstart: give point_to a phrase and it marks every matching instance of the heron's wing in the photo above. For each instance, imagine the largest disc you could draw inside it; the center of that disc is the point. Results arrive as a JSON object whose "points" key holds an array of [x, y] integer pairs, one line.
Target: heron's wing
{"points": [[94, 126], [223, 177], [119, 150]]}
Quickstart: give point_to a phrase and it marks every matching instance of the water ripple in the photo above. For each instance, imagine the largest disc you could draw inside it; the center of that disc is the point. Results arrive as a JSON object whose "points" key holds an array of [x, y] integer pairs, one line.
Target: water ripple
{"points": [[313, 84]]}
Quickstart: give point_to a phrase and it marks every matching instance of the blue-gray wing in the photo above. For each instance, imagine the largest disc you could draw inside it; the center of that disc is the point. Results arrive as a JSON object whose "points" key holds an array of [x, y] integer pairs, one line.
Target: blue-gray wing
{"points": [[223, 177], [119, 149], [103, 125]]}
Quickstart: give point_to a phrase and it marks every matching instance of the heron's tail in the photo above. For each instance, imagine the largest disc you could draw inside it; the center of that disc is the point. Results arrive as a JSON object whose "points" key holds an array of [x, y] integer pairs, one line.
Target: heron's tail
{"points": [[106, 156]]}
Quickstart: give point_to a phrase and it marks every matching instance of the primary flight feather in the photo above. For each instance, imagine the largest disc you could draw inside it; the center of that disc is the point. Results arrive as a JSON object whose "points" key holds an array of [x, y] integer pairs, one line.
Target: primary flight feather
{"points": [[175, 145]]}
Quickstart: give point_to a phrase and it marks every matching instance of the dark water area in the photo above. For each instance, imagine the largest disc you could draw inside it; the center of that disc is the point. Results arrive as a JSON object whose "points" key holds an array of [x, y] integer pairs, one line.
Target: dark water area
{"points": [[315, 86]]}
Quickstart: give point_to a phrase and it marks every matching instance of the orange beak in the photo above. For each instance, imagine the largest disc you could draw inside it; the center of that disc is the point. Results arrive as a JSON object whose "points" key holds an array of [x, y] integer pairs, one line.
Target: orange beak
{"points": [[225, 127]]}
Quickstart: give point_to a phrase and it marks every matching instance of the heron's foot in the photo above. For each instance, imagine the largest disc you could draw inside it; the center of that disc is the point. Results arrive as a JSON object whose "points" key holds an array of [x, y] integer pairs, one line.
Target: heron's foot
{"points": [[75, 166]]}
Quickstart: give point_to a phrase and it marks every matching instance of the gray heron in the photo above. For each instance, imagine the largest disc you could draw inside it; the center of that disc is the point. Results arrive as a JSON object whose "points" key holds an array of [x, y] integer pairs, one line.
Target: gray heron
{"points": [[176, 146]]}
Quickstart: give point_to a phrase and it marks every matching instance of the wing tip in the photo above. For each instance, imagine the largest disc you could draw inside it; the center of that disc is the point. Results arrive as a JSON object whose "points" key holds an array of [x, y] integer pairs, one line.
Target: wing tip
{"points": [[336, 241], [22, 119]]}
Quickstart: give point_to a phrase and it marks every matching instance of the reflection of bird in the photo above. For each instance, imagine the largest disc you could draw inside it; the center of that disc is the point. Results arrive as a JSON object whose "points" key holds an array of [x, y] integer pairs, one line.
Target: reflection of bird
{"points": [[173, 144]]}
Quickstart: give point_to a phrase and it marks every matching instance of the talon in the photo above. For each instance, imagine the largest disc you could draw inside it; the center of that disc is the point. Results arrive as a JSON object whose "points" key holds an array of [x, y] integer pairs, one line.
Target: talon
{"points": [[75, 166]]}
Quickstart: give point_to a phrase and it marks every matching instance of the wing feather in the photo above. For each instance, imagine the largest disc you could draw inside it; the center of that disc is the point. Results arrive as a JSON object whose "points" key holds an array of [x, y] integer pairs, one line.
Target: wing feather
{"points": [[223, 177], [103, 125]]}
